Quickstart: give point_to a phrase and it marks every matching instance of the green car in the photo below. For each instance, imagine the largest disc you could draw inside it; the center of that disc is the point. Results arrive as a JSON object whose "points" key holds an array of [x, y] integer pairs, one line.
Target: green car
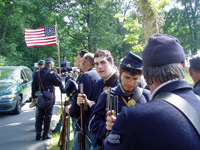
{"points": [[15, 87]]}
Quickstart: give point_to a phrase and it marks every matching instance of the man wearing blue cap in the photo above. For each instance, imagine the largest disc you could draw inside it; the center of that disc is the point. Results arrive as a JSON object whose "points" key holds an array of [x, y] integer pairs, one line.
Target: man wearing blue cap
{"points": [[194, 71], [40, 65], [88, 78], [160, 123], [44, 80], [127, 91]]}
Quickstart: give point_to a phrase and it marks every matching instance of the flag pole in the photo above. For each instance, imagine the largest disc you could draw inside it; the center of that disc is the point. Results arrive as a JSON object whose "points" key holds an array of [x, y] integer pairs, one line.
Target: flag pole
{"points": [[57, 43]]}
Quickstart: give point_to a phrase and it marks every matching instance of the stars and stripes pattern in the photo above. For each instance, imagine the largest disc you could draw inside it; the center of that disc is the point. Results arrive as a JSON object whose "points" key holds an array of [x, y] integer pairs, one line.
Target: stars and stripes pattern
{"points": [[43, 36]]}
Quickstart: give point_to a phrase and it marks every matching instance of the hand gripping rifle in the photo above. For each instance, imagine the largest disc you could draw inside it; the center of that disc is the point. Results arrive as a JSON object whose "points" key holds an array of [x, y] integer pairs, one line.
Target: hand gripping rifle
{"points": [[81, 135], [114, 113], [63, 142]]}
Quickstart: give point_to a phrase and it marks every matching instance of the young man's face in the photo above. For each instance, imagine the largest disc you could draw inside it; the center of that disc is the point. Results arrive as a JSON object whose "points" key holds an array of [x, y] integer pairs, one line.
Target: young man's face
{"points": [[103, 67], [78, 60], [128, 81]]}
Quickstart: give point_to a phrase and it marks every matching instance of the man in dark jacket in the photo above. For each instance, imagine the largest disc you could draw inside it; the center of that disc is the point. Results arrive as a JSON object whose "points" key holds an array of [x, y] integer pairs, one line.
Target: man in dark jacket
{"points": [[88, 78], [49, 79], [158, 124], [194, 71], [126, 91]]}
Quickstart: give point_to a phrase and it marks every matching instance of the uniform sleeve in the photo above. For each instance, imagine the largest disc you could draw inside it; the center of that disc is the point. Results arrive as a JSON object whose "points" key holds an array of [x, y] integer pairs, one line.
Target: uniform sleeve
{"points": [[97, 122], [35, 86], [121, 136], [87, 89], [56, 80]]}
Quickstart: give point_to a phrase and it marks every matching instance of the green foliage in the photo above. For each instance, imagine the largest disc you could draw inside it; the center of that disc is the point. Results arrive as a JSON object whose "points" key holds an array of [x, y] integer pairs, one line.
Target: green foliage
{"points": [[183, 23]]}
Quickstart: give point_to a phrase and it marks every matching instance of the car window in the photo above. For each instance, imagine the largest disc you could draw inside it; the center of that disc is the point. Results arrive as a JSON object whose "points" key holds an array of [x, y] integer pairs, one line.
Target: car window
{"points": [[28, 73], [9, 76], [23, 76]]}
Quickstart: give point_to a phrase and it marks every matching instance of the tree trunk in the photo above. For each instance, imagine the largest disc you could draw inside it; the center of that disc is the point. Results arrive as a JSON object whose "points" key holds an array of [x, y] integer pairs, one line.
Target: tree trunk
{"points": [[149, 20], [4, 30]]}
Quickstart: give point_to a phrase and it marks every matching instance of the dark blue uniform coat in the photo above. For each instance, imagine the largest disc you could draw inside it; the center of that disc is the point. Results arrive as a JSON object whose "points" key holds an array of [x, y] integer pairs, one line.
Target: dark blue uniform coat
{"points": [[88, 79], [156, 125], [49, 80], [98, 124], [196, 88], [98, 89]]}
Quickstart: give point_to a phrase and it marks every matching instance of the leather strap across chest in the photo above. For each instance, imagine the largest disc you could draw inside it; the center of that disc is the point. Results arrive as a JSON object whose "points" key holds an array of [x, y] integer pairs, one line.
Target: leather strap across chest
{"points": [[183, 106]]}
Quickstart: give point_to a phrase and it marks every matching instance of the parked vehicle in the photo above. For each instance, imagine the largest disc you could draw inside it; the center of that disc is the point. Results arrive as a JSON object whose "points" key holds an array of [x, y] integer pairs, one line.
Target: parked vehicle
{"points": [[15, 87]]}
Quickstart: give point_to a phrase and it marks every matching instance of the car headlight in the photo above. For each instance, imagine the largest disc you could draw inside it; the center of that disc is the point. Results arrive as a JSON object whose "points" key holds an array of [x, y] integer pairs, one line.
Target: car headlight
{"points": [[8, 96]]}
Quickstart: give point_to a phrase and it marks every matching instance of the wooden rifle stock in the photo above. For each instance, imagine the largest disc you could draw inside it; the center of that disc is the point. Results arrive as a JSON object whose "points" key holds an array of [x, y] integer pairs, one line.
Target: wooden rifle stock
{"points": [[64, 136], [81, 135]]}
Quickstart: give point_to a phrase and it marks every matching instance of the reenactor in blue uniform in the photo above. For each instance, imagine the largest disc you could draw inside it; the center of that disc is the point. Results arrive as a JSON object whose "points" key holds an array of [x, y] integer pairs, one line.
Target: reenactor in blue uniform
{"points": [[88, 78], [32, 104], [159, 124], [109, 74], [127, 91], [194, 71], [49, 79]]}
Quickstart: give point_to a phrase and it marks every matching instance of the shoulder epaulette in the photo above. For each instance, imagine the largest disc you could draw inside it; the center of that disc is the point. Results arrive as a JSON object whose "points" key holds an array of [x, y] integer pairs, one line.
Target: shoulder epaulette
{"points": [[51, 72]]}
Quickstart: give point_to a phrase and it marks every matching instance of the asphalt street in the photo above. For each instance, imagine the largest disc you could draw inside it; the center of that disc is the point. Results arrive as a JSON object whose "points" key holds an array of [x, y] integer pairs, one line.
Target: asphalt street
{"points": [[17, 132]]}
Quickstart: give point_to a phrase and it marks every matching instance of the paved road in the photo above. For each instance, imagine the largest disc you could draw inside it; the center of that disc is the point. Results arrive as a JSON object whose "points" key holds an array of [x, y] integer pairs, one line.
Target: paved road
{"points": [[17, 132]]}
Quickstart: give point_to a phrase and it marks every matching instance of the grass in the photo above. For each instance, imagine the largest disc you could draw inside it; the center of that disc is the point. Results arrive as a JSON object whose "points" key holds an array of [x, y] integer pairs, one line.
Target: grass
{"points": [[53, 145], [54, 140]]}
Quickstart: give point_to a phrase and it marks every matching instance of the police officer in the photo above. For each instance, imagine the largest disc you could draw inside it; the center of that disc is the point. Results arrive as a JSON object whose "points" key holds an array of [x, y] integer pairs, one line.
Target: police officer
{"points": [[39, 66], [49, 79], [88, 78], [194, 71], [69, 76], [32, 104], [109, 74], [127, 91], [158, 124]]}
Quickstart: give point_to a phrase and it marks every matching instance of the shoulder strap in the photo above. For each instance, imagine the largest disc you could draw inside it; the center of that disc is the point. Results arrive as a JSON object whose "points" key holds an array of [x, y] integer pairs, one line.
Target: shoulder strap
{"points": [[42, 78], [138, 94], [183, 106]]}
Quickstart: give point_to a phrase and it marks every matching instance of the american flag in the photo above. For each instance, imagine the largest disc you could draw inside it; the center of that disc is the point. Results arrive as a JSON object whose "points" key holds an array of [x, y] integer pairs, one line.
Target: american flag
{"points": [[43, 36]]}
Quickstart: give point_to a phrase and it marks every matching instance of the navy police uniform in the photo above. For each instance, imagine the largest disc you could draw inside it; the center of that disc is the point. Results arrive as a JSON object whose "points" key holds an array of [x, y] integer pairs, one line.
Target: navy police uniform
{"points": [[196, 88], [157, 124], [98, 122], [194, 64], [89, 80], [101, 86], [49, 80]]}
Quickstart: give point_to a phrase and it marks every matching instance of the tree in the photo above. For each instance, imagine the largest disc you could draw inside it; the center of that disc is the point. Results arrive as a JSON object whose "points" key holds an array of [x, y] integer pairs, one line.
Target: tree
{"points": [[183, 22], [150, 10]]}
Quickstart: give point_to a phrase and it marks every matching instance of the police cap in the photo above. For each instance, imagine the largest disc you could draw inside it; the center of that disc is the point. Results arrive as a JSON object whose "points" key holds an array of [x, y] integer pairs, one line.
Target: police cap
{"points": [[41, 62], [195, 61], [49, 59], [82, 53], [71, 87], [132, 61], [162, 49]]}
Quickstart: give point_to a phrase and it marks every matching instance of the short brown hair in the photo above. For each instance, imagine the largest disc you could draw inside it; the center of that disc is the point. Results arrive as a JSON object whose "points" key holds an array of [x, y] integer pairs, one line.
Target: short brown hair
{"points": [[104, 53]]}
